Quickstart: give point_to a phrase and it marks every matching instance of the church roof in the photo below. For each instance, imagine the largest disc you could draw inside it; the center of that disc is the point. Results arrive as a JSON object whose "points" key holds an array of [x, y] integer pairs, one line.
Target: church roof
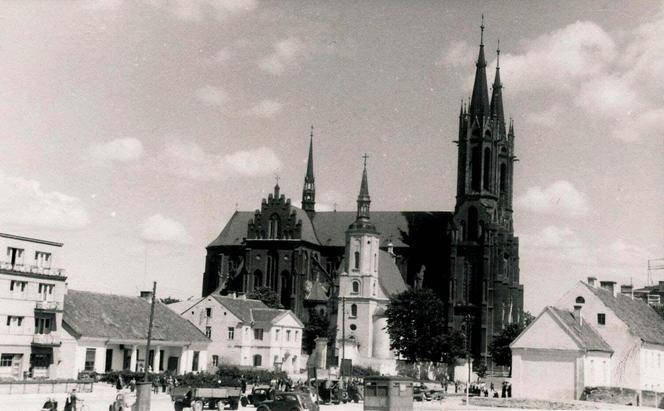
{"points": [[121, 317], [641, 319], [588, 337], [389, 277]]}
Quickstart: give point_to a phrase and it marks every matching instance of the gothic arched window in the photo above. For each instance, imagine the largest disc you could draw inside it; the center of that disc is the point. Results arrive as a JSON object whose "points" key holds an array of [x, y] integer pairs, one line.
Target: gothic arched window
{"points": [[357, 260], [258, 279], [475, 169], [272, 263], [487, 169], [503, 178], [273, 227], [356, 287], [353, 310]]}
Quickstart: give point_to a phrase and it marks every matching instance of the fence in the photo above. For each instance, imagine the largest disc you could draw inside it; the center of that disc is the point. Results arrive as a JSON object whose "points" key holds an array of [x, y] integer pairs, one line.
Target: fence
{"points": [[45, 386]]}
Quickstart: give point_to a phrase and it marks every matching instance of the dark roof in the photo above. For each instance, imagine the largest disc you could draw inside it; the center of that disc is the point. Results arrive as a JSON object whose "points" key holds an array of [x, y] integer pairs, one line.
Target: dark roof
{"points": [[235, 230], [641, 319], [389, 277], [589, 338], [120, 317], [267, 314], [241, 308]]}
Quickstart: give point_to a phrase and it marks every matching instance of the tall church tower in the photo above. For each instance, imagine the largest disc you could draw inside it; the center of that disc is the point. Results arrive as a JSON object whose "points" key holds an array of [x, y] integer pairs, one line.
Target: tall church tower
{"points": [[484, 263], [309, 189]]}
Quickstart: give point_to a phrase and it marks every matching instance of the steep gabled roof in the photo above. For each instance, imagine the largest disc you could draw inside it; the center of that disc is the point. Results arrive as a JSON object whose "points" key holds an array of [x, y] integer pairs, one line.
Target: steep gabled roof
{"points": [[641, 319], [120, 317], [241, 308], [235, 230], [389, 277], [589, 339]]}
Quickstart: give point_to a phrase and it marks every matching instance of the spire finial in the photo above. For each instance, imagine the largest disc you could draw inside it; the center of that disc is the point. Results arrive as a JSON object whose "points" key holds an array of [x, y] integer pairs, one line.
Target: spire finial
{"points": [[498, 55], [482, 31], [312, 131], [365, 156]]}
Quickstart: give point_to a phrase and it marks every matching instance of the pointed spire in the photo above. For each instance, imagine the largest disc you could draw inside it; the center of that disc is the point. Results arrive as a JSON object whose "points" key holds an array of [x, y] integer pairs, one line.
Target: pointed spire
{"points": [[309, 189], [363, 203], [479, 103], [497, 94]]}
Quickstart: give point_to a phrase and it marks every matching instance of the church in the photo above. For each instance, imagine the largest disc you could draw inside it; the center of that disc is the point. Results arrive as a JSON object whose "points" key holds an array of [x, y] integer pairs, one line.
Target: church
{"points": [[346, 264]]}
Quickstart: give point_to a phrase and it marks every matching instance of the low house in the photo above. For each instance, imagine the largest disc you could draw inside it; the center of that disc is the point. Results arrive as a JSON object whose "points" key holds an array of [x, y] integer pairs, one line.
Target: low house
{"points": [[107, 332], [245, 332], [632, 330]]}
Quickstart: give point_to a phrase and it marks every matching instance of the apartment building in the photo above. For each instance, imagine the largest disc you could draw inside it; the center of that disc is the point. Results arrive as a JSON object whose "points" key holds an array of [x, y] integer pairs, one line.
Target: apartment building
{"points": [[32, 290]]}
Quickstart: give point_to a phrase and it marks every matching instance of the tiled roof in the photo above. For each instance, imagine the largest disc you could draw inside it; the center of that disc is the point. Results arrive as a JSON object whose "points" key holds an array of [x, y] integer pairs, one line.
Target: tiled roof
{"points": [[182, 306], [389, 276], [589, 338], [267, 315], [120, 317], [329, 227], [241, 308], [641, 319]]}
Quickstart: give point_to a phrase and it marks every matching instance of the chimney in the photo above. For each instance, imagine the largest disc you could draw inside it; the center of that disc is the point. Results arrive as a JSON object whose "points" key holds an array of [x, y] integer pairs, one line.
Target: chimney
{"points": [[577, 314], [609, 286], [592, 281], [147, 295], [627, 290]]}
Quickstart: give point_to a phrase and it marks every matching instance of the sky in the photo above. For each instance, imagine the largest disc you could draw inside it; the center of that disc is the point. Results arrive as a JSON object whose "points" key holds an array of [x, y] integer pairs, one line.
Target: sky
{"points": [[132, 130]]}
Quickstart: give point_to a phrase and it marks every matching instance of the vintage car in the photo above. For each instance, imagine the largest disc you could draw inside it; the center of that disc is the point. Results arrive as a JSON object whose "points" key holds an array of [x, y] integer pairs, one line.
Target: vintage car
{"points": [[258, 394], [199, 397], [288, 401]]}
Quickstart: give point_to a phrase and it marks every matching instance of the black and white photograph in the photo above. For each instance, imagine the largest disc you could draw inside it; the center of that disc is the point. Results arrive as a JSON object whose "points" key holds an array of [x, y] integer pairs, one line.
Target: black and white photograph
{"points": [[380, 205]]}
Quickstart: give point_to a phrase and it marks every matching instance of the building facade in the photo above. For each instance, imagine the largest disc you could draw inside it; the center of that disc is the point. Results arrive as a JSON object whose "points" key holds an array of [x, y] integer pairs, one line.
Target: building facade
{"points": [[246, 333], [470, 255], [32, 290]]}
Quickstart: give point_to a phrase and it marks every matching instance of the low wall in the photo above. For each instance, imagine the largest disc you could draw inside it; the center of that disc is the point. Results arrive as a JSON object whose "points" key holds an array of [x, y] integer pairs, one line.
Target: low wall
{"points": [[623, 396], [45, 386]]}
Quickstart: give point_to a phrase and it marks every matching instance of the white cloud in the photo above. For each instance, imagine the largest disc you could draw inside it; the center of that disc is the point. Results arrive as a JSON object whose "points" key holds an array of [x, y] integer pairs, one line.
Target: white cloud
{"points": [[121, 150], [560, 198], [265, 108], [458, 54], [25, 204], [212, 96], [284, 56], [558, 244], [188, 159], [160, 229], [197, 10]]}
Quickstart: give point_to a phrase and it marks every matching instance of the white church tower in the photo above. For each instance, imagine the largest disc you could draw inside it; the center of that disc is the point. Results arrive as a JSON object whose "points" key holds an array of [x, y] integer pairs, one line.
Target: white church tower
{"points": [[361, 333]]}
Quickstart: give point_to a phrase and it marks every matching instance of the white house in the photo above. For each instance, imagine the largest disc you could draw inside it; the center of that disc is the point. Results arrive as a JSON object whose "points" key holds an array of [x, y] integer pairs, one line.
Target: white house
{"points": [[32, 291], [632, 330], [245, 332], [107, 332]]}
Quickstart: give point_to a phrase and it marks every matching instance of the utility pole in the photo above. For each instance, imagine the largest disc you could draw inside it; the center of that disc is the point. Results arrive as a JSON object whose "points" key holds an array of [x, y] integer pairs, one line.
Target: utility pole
{"points": [[468, 358], [343, 329], [144, 388], [147, 350]]}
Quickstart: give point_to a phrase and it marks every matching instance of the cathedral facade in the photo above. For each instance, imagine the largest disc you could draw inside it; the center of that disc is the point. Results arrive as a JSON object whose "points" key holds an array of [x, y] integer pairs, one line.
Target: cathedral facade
{"points": [[469, 256]]}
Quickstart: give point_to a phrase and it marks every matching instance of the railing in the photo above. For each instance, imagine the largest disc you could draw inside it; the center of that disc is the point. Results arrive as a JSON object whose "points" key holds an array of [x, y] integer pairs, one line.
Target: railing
{"points": [[33, 269], [46, 339], [49, 305]]}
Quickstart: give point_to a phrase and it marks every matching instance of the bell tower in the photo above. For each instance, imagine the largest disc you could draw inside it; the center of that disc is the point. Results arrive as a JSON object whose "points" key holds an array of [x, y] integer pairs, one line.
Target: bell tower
{"points": [[309, 189]]}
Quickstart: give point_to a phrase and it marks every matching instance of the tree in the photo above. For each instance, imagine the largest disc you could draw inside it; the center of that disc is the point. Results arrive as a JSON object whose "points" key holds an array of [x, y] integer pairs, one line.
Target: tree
{"points": [[267, 295], [500, 346], [659, 309], [317, 326], [169, 300], [418, 330]]}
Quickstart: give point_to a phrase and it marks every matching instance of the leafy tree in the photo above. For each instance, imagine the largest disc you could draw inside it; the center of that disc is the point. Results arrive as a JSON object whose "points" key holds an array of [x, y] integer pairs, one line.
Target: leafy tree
{"points": [[500, 346], [317, 326], [527, 319], [267, 296], [169, 300], [659, 309], [417, 328]]}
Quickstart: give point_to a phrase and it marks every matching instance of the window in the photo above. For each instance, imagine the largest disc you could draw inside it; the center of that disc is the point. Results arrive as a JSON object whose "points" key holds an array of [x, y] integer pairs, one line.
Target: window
{"points": [[357, 260], [45, 290], [473, 223], [6, 360], [17, 286], [15, 256], [580, 300], [487, 169], [601, 319], [90, 359], [296, 335], [42, 325], [353, 310], [353, 327], [208, 312], [258, 360], [14, 323], [356, 287], [42, 259], [215, 360], [208, 332], [231, 333], [503, 178], [475, 169], [258, 334], [276, 335], [194, 362], [273, 227]]}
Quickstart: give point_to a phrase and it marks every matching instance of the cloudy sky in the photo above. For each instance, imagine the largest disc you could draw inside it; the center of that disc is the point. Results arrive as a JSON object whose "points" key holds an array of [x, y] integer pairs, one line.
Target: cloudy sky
{"points": [[130, 130]]}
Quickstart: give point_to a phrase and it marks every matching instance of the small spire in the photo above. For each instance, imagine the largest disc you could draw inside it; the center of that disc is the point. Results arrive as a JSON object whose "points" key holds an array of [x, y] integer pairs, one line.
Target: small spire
{"points": [[362, 221], [479, 103], [482, 31], [498, 55], [497, 110], [309, 189]]}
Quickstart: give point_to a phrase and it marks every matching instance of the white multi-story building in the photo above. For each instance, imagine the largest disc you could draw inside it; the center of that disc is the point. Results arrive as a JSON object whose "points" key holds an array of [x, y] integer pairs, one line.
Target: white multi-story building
{"points": [[594, 336], [32, 291], [245, 332]]}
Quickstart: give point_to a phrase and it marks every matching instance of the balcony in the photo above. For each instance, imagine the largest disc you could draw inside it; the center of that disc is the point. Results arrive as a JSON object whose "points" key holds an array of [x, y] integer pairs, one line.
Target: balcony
{"points": [[48, 305], [32, 269], [50, 339]]}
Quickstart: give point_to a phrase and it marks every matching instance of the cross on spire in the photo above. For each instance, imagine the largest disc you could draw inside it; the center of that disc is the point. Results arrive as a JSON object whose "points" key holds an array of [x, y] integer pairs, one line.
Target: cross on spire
{"points": [[365, 156], [312, 131], [482, 31], [498, 55], [276, 177]]}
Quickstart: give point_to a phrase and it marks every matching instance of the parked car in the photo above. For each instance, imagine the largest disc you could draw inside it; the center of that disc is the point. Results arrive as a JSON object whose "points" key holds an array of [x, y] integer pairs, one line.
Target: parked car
{"points": [[288, 401], [258, 394]]}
